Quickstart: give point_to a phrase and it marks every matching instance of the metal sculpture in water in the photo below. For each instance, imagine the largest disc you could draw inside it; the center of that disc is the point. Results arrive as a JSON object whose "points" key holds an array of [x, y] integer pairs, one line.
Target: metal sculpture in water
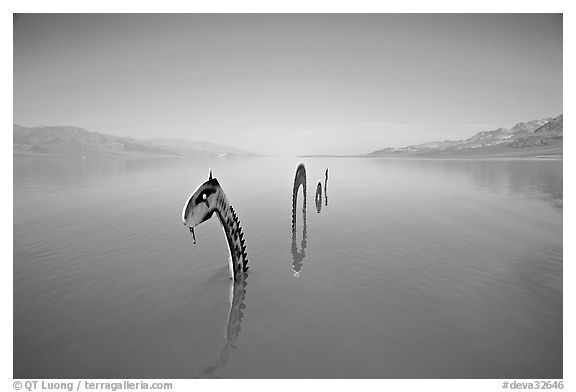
{"points": [[318, 197], [207, 199], [299, 180], [326, 187], [298, 256]]}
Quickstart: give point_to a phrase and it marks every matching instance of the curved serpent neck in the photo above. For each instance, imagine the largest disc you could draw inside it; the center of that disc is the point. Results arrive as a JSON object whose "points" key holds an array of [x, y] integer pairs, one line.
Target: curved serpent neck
{"points": [[234, 238], [207, 199]]}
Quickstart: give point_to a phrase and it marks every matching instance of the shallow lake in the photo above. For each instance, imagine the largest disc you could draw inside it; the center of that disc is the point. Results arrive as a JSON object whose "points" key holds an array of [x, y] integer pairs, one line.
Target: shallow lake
{"points": [[405, 269]]}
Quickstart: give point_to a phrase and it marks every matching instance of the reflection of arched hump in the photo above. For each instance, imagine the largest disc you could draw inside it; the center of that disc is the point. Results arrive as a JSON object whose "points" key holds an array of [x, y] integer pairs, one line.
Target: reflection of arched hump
{"points": [[318, 197], [298, 256], [237, 306], [299, 180], [326, 187]]}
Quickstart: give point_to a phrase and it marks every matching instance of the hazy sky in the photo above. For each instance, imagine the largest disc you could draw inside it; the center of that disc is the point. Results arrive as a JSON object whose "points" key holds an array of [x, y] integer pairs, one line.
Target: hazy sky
{"points": [[289, 83]]}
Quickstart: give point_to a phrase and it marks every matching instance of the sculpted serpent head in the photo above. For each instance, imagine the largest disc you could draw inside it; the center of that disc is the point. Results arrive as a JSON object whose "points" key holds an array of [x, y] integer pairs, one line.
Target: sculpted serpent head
{"points": [[202, 203]]}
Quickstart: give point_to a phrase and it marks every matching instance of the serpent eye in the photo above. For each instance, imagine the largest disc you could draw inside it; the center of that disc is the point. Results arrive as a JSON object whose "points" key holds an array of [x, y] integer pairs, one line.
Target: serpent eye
{"points": [[203, 196]]}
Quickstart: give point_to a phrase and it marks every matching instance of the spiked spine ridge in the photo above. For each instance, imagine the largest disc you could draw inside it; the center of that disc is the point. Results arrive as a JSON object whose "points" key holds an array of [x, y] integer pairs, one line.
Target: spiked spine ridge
{"points": [[239, 255]]}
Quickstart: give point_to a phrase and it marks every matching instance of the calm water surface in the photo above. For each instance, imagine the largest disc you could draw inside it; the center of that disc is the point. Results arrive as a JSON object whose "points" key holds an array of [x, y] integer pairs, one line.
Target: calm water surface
{"points": [[411, 269]]}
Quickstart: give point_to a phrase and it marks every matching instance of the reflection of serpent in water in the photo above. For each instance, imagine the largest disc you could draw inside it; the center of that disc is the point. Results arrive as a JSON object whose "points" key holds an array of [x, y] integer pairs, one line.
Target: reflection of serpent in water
{"points": [[237, 306], [298, 257], [201, 205]]}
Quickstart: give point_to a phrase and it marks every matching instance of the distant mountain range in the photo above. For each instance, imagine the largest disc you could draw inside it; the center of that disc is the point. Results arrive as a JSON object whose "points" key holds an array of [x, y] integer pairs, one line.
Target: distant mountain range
{"points": [[533, 138], [73, 140], [539, 138]]}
